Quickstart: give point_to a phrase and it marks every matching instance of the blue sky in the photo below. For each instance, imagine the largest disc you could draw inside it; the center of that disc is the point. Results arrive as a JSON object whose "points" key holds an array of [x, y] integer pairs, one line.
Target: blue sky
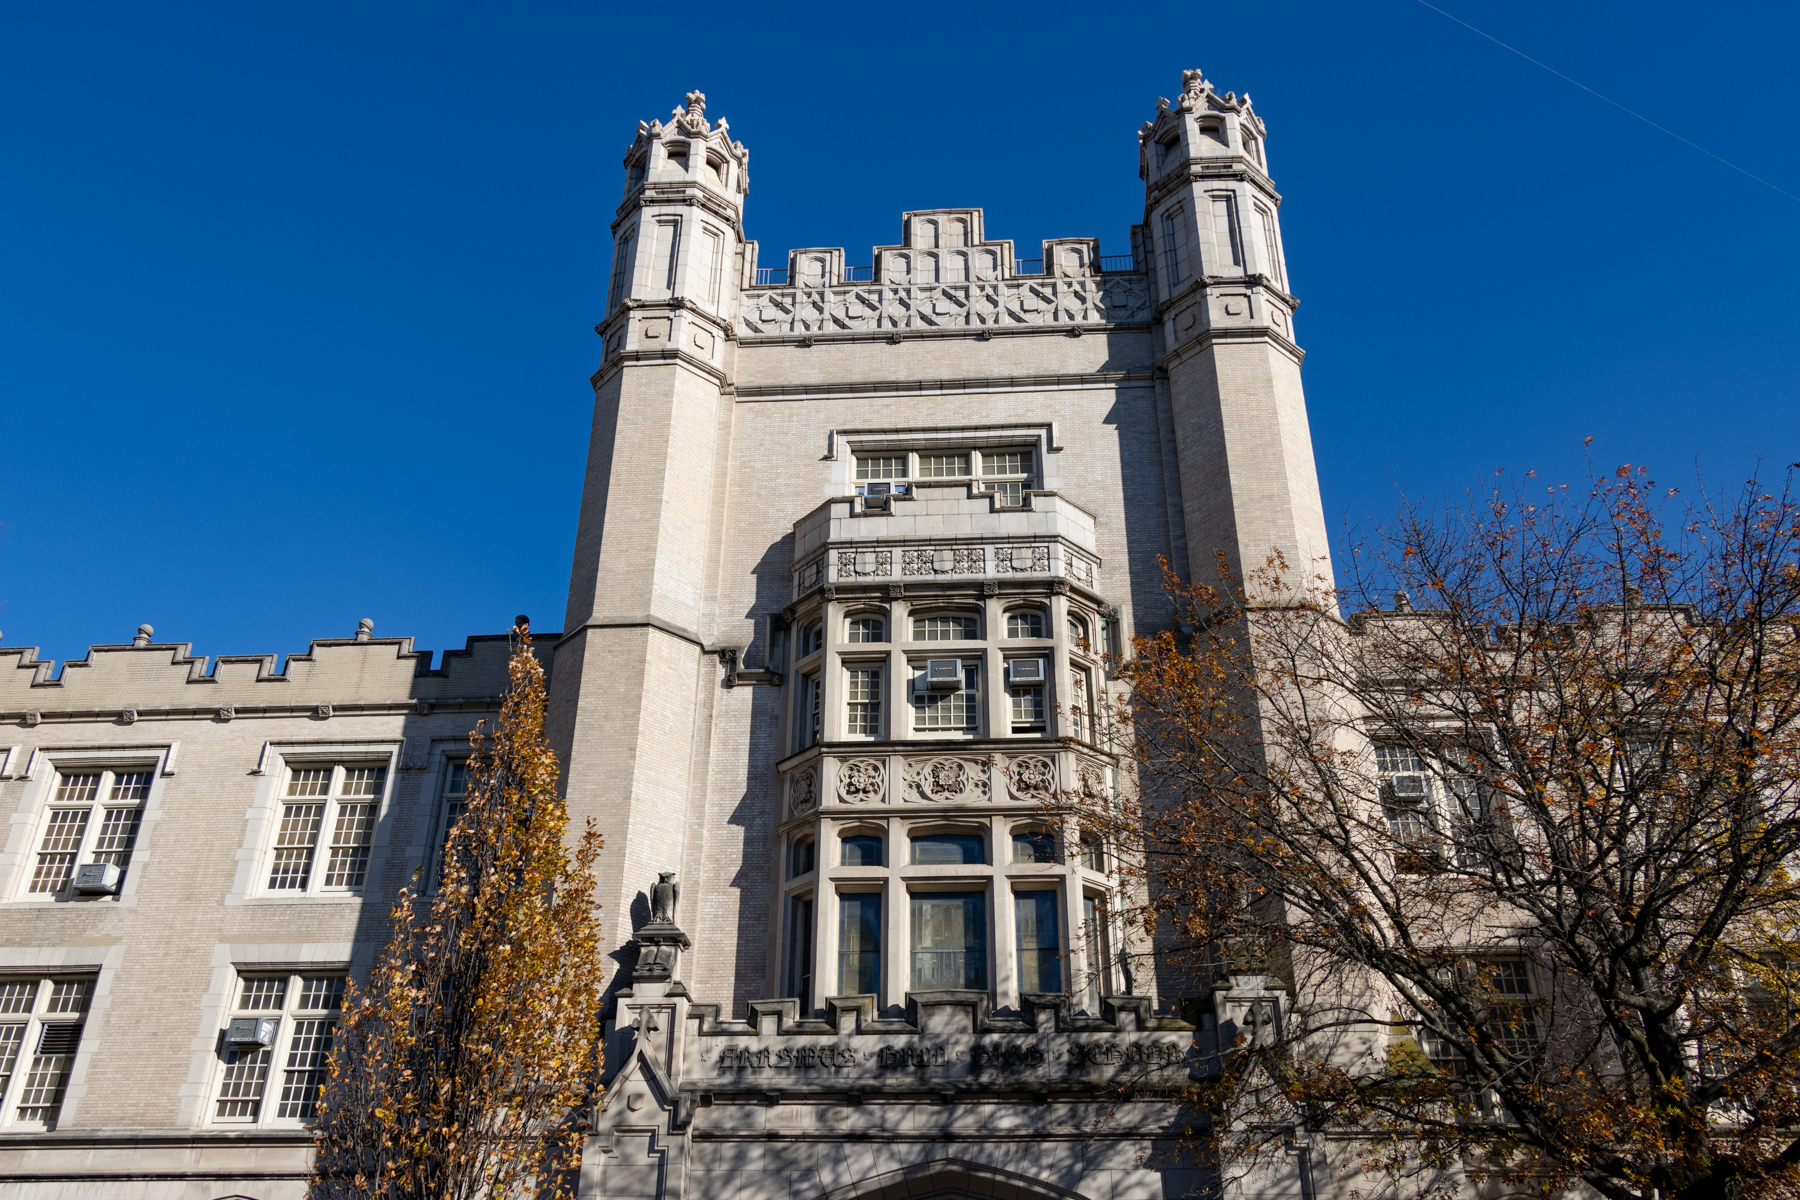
{"points": [[296, 303]]}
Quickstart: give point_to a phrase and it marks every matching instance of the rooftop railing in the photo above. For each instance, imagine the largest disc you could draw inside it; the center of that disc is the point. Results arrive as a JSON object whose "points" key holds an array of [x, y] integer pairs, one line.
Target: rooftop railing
{"points": [[1028, 266]]}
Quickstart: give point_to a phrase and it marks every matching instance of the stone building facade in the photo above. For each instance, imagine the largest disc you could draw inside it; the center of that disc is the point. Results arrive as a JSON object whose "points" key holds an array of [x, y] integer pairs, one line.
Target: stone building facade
{"points": [[855, 543]]}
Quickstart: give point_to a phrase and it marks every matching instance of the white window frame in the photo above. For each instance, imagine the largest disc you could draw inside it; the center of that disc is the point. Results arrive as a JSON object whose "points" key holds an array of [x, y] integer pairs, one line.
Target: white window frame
{"points": [[270, 1101], [34, 1020], [875, 704], [86, 849], [971, 666], [338, 762], [456, 769]]}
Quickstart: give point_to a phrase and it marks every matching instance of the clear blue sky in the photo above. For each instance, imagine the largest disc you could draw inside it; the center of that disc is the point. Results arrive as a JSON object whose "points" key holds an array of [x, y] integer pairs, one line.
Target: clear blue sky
{"points": [[296, 301]]}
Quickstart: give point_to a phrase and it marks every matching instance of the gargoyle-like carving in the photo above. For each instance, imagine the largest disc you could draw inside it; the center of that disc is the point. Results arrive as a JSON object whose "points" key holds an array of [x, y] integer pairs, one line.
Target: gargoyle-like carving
{"points": [[665, 894]]}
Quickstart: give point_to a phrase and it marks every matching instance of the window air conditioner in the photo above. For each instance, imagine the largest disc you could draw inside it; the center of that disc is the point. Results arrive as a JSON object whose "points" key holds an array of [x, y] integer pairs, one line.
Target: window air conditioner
{"points": [[1410, 787], [251, 1031], [943, 675], [1025, 670], [97, 879]]}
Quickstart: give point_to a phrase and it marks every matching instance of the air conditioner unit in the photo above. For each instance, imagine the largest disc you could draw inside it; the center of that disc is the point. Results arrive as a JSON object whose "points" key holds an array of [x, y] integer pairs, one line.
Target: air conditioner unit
{"points": [[251, 1031], [943, 675], [878, 489], [1025, 670], [1410, 787], [97, 879]]}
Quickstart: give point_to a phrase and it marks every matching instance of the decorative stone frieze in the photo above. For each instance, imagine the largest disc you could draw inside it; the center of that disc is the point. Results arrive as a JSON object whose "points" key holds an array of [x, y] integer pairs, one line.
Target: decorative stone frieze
{"points": [[803, 790], [968, 560], [982, 304], [1031, 777], [1080, 569], [877, 564], [1019, 560], [809, 576], [862, 781], [947, 780]]}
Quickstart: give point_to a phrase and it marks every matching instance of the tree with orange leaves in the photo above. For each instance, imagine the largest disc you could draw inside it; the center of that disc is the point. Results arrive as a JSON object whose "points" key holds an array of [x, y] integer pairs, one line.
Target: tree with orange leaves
{"points": [[1516, 838], [465, 1067]]}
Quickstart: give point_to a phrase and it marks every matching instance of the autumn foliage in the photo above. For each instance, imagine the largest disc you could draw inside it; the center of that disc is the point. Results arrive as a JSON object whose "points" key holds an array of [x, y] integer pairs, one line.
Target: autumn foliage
{"points": [[1517, 834], [465, 1066]]}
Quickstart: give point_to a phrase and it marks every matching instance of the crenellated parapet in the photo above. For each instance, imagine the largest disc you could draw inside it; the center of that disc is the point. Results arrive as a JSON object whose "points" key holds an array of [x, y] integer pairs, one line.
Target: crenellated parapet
{"points": [[144, 679]]}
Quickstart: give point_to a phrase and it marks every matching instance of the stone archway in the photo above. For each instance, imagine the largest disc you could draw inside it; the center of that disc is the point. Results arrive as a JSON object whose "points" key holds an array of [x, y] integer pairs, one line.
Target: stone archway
{"points": [[951, 1179]]}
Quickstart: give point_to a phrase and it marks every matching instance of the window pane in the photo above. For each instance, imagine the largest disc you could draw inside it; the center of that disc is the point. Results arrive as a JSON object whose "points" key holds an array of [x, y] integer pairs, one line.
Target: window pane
{"points": [[800, 951], [78, 789], [867, 629], [69, 995], [864, 716], [1040, 962], [305, 1068], [241, 1088], [944, 629], [1033, 846], [18, 997], [118, 834], [862, 850], [891, 466], [1024, 625], [42, 1097], [309, 781], [1091, 857], [350, 838], [364, 781], [1006, 462], [949, 934], [859, 943], [263, 995], [11, 1038], [1009, 493], [294, 843], [949, 849], [133, 787], [56, 860], [1027, 707], [802, 856], [1077, 633], [943, 466], [321, 993]]}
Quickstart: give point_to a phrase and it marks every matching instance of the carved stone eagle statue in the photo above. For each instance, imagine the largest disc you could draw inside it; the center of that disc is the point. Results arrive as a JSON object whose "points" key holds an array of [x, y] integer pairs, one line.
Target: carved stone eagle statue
{"points": [[663, 897]]}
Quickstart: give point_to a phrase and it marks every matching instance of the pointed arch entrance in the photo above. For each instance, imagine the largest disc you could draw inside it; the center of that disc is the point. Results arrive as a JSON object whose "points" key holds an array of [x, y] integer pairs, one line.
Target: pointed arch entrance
{"points": [[951, 1179]]}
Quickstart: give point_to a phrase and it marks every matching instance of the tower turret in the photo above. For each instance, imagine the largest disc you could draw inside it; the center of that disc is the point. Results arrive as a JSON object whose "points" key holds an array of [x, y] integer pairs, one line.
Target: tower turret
{"points": [[1248, 483], [639, 638]]}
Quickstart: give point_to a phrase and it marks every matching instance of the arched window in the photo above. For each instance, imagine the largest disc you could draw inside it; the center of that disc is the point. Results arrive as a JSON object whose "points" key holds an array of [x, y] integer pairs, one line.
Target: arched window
{"points": [[866, 628], [811, 638], [1025, 623], [1078, 634], [1093, 855], [945, 627], [1033, 846], [802, 857], [949, 849], [862, 850]]}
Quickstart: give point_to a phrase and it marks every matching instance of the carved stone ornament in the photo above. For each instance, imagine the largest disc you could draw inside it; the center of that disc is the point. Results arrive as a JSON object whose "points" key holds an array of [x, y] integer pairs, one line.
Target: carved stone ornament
{"points": [[665, 894], [128, 716], [862, 781], [1022, 560], [1031, 778], [803, 790], [808, 577], [1081, 570], [870, 563], [947, 780], [323, 712], [1091, 782], [33, 717], [947, 561], [227, 713]]}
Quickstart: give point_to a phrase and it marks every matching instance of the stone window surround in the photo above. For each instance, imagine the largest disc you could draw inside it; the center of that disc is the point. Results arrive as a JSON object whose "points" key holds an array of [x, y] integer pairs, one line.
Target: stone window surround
{"points": [[40, 778], [843, 445], [900, 656], [998, 878], [263, 819]]}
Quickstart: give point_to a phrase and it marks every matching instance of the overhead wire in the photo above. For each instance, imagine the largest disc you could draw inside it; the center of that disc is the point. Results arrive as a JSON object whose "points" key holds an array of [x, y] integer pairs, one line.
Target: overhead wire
{"points": [[1590, 91]]}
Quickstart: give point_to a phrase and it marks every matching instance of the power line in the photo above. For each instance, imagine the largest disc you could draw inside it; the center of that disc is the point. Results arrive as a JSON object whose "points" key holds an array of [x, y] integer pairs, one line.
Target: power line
{"points": [[1590, 91]]}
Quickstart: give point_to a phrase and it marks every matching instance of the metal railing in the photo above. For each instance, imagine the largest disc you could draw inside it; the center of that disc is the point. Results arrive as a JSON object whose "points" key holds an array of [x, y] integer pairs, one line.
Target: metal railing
{"points": [[1028, 266], [771, 276], [1118, 262], [859, 274]]}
